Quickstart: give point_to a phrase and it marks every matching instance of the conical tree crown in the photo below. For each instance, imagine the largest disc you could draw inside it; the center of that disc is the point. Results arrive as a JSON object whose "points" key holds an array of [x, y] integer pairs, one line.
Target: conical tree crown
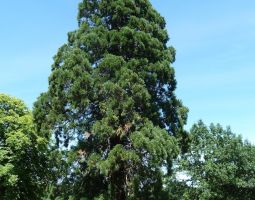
{"points": [[112, 89]]}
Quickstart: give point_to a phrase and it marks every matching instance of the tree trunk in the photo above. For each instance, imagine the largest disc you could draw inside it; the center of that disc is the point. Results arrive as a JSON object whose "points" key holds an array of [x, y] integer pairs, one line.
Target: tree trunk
{"points": [[119, 184]]}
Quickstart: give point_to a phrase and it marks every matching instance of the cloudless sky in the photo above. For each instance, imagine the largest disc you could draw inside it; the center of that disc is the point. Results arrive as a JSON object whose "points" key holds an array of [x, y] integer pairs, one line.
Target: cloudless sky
{"points": [[214, 65]]}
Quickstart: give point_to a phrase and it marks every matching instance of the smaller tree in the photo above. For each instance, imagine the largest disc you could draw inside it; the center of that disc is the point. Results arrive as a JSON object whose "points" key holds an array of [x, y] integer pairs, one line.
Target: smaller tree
{"points": [[22, 161], [219, 165]]}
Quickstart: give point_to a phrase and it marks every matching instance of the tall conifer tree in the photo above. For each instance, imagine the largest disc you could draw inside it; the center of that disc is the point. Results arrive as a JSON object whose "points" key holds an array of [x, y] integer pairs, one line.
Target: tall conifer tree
{"points": [[111, 96]]}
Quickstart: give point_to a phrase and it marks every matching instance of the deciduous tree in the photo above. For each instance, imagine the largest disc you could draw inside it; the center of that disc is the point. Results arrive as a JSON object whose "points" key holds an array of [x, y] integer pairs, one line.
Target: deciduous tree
{"points": [[219, 165], [22, 161]]}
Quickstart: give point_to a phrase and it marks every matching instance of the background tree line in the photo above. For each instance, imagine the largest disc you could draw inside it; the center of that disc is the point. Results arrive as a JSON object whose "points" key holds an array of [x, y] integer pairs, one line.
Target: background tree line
{"points": [[110, 125]]}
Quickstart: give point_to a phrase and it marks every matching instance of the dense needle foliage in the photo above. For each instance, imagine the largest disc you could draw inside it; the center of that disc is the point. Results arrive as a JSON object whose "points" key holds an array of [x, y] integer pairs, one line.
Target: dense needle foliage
{"points": [[110, 126], [111, 97]]}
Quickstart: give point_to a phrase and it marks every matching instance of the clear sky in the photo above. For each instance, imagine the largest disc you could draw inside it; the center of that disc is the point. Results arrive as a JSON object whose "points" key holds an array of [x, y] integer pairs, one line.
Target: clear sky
{"points": [[214, 41]]}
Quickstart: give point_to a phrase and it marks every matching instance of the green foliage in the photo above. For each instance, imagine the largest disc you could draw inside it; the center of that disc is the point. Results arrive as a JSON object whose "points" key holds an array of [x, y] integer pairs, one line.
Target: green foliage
{"points": [[219, 164], [110, 126], [22, 160], [111, 101]]}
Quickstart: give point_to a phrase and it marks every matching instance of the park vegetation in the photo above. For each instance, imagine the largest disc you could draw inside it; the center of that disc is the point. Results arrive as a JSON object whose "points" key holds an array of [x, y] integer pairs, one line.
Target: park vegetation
{"points": [[110, 126]]}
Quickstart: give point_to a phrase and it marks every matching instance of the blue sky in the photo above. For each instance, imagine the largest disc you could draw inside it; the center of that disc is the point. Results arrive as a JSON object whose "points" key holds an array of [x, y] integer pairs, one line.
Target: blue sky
{"points": [[214, 41]]}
